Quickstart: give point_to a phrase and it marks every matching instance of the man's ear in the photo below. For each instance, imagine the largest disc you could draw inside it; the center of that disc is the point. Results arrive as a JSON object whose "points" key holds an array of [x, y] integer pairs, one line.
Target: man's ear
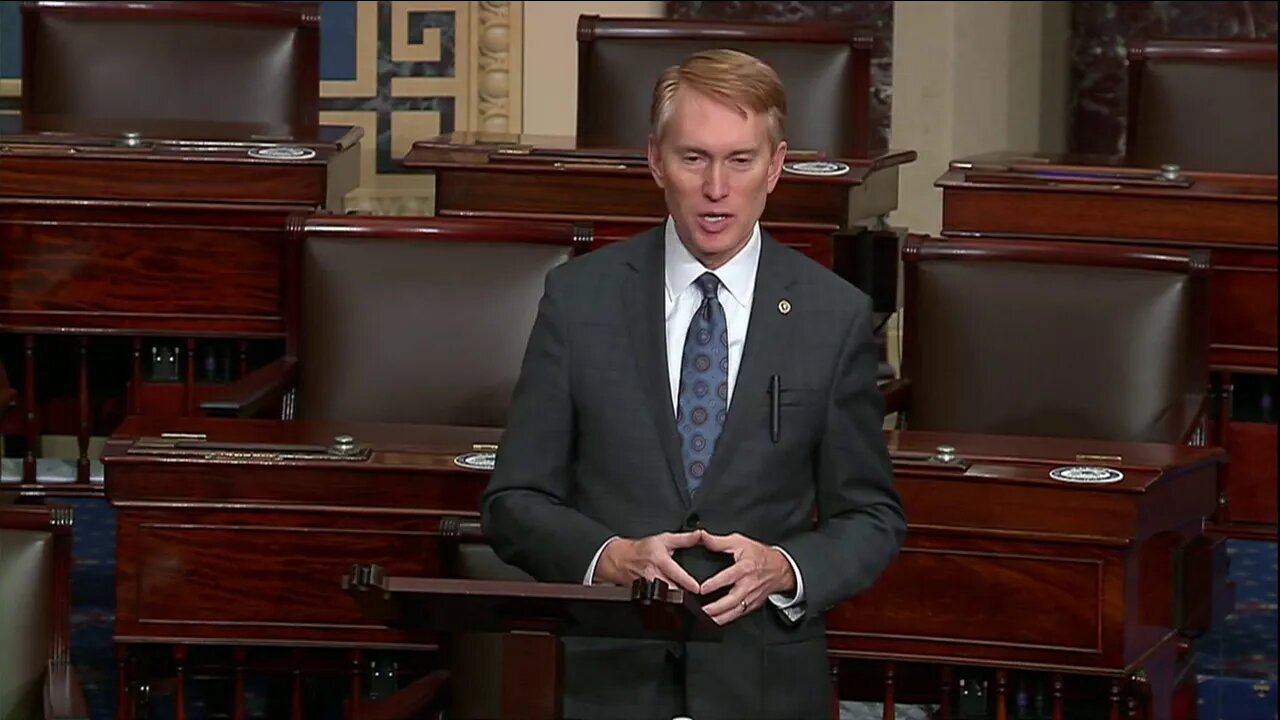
{"points": [[655, 162], [775, 163]]}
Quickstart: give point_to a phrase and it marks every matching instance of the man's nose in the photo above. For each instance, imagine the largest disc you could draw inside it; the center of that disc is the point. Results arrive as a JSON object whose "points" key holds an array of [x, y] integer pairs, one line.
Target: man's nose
{"points": [[715, 184]]}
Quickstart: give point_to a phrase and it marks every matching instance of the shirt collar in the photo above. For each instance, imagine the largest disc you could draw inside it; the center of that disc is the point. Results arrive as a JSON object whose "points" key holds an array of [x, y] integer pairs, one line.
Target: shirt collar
{"points": [[738, 276]]}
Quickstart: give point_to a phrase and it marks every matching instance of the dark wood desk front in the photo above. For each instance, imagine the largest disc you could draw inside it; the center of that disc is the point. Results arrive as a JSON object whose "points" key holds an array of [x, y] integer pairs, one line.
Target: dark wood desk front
{"points": [[1233, 216], [177, 234], [1004, 567], [551, 177]]}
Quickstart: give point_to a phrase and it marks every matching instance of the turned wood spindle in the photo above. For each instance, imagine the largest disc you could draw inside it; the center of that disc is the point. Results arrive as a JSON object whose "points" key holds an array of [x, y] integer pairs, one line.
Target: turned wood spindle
{"points": [[189, 385], [124, 704], [135, 397], [297, 686], [237, 706], [945, 694], [29, 406], [180, 694], [1002, 695], [1114, 714], [357, 661], [82, 437], [890, 678], [1057, 685]]}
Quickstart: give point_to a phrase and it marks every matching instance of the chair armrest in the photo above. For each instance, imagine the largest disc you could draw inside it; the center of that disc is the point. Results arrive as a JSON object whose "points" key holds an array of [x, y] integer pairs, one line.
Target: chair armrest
{"points": [[896, 394], [247, 396], [63, 693]]}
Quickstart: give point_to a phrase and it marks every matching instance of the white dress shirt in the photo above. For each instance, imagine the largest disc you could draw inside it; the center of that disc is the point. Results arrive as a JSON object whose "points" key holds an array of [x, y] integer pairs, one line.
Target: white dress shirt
{"points": [[683, 298]]}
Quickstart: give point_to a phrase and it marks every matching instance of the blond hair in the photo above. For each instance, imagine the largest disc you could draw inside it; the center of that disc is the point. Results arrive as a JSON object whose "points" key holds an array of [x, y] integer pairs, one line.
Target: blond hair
{"points": [[734, 78]]}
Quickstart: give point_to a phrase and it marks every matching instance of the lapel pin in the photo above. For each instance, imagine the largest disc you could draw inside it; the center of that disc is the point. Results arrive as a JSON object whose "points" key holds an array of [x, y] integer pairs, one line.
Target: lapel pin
{"points": [[784, 306]]}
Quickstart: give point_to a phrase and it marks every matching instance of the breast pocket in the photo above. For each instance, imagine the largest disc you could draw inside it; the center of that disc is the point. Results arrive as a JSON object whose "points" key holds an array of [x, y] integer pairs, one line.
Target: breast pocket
{"points": [[801, 397], [800, 412]]}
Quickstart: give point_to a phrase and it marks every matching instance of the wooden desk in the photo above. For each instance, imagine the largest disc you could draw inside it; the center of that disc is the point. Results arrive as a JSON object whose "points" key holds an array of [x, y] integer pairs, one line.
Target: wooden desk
{"points": [[1002, 195], [1007, 568], [1003, 568], [179, 237], [552, 177]]}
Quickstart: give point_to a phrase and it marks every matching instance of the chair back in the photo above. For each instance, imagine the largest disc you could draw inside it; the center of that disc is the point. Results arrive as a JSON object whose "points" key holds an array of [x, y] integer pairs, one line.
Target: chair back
{"points": [[825, 68], [420, 320], [35, 585], [1084, 340], [1206, 105], [86, 64]]}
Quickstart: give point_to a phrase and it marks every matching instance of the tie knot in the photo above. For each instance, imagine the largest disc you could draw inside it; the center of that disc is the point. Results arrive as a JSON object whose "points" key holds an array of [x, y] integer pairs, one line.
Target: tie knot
{"points": [[708, 283]]}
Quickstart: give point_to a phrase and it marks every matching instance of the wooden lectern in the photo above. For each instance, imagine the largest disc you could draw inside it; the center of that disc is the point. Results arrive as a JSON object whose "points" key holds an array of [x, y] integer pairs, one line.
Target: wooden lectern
{"points": [[533, 618]]}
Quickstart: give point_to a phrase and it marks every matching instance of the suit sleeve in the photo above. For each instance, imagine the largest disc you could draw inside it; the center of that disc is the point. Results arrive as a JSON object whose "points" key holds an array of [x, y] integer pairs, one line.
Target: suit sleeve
{"points": [[525, 511], [861, 524]]}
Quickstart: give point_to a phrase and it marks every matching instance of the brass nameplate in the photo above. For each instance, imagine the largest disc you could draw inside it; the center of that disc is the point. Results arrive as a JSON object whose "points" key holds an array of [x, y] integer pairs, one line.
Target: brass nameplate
{"points": [[1103, 459]]}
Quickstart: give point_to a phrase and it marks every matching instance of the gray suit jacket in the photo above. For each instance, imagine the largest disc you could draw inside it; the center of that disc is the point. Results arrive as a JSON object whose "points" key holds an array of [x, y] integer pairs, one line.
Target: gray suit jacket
{"points": [[591, 451]]}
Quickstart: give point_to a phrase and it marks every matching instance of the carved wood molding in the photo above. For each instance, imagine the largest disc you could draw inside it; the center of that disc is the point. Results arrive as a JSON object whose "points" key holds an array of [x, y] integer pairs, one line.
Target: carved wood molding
{"points": [[497, 75]]}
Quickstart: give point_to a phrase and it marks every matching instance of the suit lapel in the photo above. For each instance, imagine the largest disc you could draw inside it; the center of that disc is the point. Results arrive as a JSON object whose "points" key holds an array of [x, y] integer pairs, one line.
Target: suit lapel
{"points": [[645, 307], [768, 334]]}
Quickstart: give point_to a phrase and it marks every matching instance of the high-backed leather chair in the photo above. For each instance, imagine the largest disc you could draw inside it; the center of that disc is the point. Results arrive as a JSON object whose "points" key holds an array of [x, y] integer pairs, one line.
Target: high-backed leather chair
{"points": [[1205, 105], [825, 67], [1058, 339], [36, 677], [108, 64], [416, 320]]}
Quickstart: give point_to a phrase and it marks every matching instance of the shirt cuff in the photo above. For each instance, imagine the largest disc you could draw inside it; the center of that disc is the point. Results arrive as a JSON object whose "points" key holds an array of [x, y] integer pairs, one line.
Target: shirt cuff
{"points": [[792, 607], [591, 569]]}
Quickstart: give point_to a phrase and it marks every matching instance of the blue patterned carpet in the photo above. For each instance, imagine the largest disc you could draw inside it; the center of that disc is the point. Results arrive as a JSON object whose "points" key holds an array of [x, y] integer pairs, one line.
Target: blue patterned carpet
{"points": [[1237, 660], [93, 602]]}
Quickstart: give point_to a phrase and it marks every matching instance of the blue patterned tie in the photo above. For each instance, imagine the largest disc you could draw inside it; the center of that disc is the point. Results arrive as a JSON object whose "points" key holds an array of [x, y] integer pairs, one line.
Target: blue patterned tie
{"points": [[704, 383]]}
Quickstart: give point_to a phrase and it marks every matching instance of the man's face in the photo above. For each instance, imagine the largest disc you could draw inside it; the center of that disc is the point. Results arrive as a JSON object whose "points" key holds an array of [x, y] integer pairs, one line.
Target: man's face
{"points": [[716, 169]]}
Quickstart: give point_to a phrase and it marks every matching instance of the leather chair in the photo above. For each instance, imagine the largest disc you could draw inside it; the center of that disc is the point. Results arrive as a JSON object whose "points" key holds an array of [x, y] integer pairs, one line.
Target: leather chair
{"points": [[825, 67], [1053, 339], [106, 67], [36, 676], [1206, 105], [406, 320]]}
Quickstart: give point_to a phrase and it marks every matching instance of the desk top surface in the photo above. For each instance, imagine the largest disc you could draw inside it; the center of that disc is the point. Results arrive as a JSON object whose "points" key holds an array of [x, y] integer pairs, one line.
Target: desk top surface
{"points": [[395, 447], [1007, 170], [543, 153], [171, 140]]}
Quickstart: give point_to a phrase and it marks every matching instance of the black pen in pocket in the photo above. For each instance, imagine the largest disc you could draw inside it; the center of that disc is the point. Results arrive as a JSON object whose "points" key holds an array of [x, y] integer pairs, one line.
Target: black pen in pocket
{"points": [[775, 409]]}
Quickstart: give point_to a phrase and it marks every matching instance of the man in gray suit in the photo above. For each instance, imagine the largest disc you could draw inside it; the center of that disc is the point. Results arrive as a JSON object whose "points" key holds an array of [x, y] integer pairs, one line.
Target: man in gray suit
{"points": [[642, 440]]}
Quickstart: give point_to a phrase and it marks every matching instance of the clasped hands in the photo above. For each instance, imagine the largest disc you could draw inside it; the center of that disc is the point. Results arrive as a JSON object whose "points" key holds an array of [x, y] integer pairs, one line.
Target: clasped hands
{"points": [[758, 570]]}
